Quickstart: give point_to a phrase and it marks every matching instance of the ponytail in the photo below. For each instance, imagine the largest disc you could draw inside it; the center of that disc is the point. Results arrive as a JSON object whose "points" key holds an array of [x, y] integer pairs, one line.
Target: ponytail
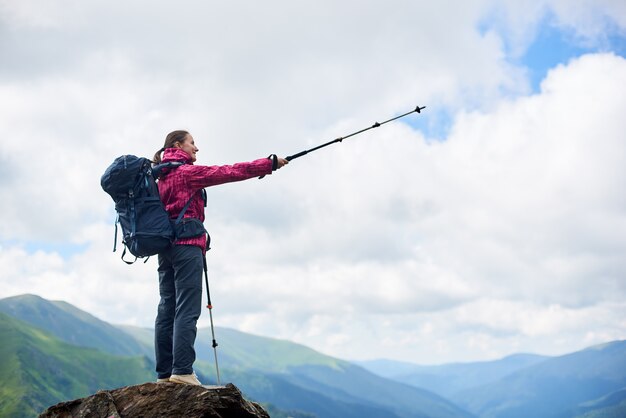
{"points": [[157, 156]]}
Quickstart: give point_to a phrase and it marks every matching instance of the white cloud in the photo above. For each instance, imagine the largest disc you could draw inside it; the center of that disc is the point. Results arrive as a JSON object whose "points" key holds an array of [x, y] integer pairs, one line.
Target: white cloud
{"points": [[388, 244], [590, 23], [593, 20], [521, 205]]}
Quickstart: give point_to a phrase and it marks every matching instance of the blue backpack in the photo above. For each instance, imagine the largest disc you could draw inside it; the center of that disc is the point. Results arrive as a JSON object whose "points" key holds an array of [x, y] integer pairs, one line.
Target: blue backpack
{"points": [[146, 226]]}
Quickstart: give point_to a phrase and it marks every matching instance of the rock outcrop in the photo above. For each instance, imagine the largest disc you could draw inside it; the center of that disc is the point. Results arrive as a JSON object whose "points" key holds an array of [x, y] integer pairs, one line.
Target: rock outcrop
{"points": [[160, 400]]}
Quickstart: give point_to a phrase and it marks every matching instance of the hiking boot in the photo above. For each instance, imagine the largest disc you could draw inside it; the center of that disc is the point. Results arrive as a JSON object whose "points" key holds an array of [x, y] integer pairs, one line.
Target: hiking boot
{"points": [[187, 379], [165, 380]]}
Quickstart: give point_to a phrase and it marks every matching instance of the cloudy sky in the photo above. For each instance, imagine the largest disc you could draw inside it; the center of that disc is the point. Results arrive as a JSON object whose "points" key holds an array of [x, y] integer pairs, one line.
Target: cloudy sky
{"points": [[492, 223]]}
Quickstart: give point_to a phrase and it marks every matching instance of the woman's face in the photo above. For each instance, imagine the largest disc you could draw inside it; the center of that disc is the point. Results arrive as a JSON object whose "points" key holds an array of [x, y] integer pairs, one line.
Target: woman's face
{"points": [[189, 146]]}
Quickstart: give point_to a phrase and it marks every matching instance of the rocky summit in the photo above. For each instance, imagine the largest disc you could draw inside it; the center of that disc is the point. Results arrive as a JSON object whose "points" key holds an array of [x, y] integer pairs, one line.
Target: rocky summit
{"points": [[160, 400]]}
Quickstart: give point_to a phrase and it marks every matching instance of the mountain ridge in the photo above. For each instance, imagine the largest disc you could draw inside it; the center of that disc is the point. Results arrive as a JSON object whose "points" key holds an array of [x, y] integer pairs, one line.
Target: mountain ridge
{"points": [[553, 387], [70, 324], [588, 383], [268, 365], [451, 378]]}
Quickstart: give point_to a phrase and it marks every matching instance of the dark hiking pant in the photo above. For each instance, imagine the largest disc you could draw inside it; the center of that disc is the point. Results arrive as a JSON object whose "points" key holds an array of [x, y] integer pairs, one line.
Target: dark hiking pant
{"points": [[180, 286]]}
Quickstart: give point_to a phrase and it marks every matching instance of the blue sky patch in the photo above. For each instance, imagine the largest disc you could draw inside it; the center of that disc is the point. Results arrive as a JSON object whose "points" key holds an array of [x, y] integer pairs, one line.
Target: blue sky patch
{"points": [[434, 122], [551, 47], [65, 249], [554, 45]]}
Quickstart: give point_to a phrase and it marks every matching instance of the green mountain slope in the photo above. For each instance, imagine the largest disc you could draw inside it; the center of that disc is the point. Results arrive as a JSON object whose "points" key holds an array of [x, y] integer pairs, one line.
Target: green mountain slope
{"points": [[554, 387], [71, 325], [268, 370], [449, 379], [38, 370], [245, 351]]}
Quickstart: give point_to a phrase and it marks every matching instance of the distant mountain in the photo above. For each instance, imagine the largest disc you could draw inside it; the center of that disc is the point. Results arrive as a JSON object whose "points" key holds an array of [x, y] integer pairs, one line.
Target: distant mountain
{"points": [[279, 390], [390, 368], [291, 376], [285, 362], [449, 379], [612, 405], [72, 325], [38, 370], [242, 351], [557, 387]]}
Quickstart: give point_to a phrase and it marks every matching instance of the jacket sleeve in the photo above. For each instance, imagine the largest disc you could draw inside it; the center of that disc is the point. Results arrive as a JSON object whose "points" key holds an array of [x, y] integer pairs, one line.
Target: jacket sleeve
{"points": [[201, 176]]}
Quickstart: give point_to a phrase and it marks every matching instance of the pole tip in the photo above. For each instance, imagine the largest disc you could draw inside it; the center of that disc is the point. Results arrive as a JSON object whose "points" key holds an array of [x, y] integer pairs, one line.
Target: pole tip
{"points": [[419, 109]]}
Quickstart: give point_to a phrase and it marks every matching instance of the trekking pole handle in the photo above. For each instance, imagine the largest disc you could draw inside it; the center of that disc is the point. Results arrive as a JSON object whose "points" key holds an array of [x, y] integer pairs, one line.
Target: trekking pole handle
{"points": [[294, 156]]}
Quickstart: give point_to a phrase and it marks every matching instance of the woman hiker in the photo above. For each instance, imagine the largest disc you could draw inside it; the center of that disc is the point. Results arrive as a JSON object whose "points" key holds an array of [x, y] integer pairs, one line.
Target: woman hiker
{"points": [[180, 267]]}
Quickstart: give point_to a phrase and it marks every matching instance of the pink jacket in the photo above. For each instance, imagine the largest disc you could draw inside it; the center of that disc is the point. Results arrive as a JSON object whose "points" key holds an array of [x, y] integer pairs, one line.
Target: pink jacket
{"points": [[179, 184]]}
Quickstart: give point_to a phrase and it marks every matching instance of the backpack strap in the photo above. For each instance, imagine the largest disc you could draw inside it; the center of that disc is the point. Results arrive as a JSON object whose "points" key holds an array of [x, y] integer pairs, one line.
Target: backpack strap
{"points": [[157, 170], [182, 212], [117, 221], [130, 262], [133, 227]]}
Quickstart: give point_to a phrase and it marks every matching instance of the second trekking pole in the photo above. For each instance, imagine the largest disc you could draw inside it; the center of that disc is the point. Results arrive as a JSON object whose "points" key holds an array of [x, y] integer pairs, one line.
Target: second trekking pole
{"points": [[210, 307]]}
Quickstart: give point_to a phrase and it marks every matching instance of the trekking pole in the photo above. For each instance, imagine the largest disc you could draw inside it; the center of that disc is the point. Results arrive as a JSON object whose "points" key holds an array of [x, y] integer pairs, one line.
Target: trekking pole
{"points": [[210, 306], [418, 109]]}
